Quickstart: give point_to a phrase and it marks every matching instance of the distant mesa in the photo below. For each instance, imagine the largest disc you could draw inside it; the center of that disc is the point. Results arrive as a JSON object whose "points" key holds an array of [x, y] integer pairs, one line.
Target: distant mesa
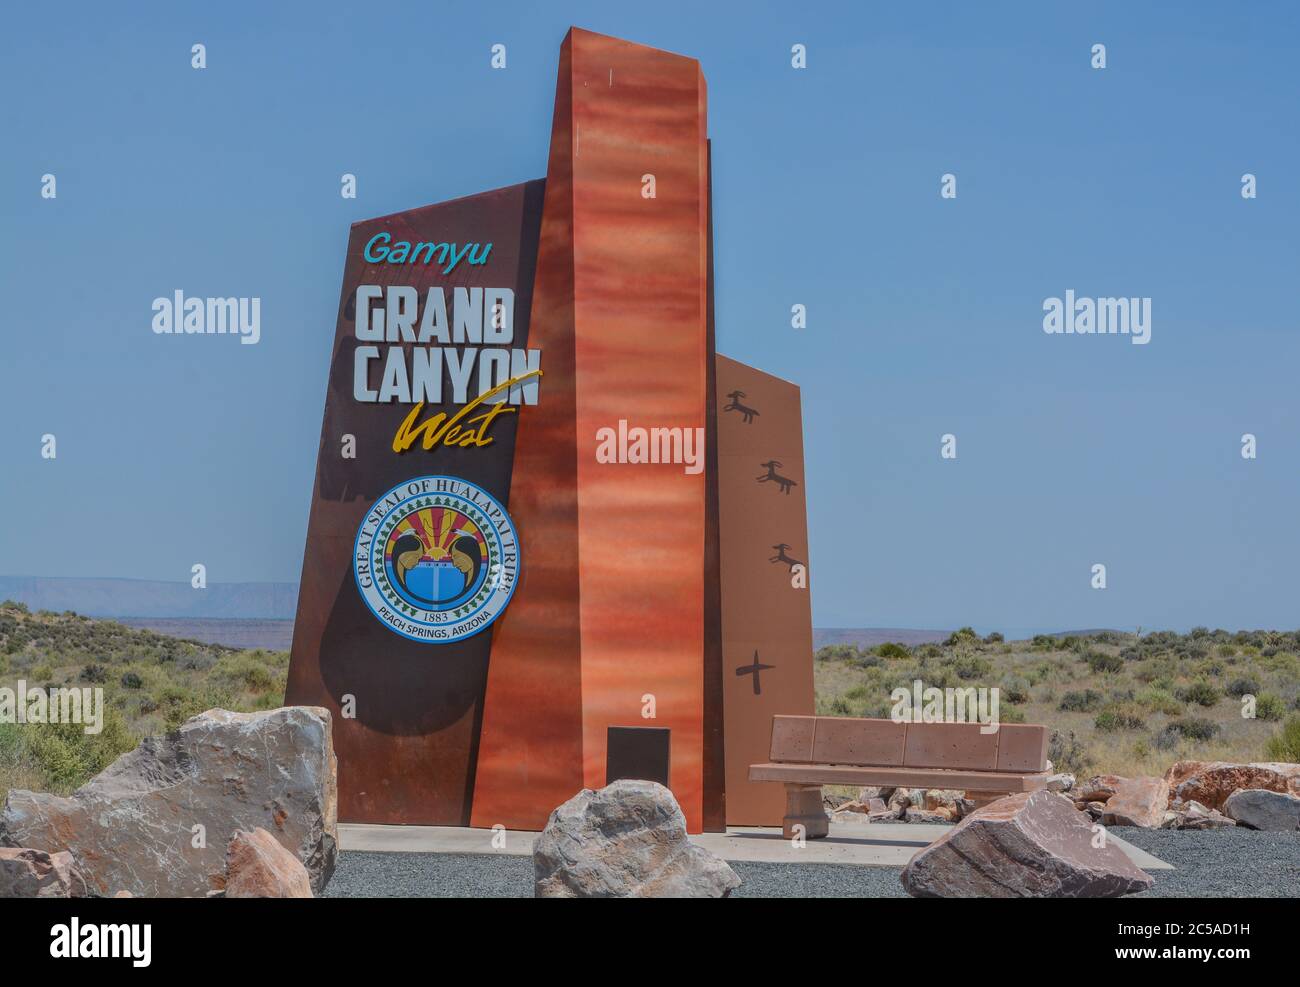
{"points": [[118, 598]]}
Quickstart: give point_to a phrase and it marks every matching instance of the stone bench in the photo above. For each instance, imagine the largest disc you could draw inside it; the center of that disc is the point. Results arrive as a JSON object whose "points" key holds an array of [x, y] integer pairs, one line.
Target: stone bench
{"points": [[810, 751]]}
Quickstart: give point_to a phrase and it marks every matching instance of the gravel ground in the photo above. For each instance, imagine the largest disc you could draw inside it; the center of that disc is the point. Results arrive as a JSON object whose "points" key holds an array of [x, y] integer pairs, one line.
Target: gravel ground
{"points": [[1233, 863]]}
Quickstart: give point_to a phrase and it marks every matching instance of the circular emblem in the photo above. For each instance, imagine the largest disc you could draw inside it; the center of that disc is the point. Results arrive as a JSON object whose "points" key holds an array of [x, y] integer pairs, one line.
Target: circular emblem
{"points": [[436, 559]]}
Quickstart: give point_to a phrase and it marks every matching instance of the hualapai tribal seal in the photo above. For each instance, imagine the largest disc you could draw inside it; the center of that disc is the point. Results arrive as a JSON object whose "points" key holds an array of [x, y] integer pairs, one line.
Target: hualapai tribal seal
{"points": [[436, 559]]}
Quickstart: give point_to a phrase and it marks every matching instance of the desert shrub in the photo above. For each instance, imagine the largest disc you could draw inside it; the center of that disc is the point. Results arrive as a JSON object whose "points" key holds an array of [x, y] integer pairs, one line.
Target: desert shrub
{"points": [[856, 693], [1085, 701], [1285, 744], [42, 673], [891, 650], [1015, 690], [1202, 693], [838, 706], [1246, 685], [1043, 642], [1194, 728], [994, 638], [132, 681], [1100, 662], [68, 756], [1167, 739], [1120, 716], [1011, 714], [1212, 669], [970, 667], [836, 652], [1068, 753], [243, 671], [867, 661], [94, 673], [1040, 672], [1159, 701], [965, 635], [1269, 706]]}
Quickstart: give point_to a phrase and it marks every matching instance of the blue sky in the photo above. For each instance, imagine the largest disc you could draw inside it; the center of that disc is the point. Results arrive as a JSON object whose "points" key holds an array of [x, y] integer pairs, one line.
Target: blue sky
{"points": [[924, 314]]}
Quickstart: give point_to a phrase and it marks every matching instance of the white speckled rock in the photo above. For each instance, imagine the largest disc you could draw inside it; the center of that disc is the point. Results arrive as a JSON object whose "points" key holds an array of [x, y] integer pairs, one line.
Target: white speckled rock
{"points": [[627, 840], [1032, 845], [131, 827]]}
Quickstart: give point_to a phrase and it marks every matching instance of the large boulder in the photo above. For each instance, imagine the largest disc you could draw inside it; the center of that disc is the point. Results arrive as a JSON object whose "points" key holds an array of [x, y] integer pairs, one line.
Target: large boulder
{"points": [[1138, 802], [158, 820], [1031, 845], [258, 866], [1259, 808], [627, 840], [1211, 782], [27, 873]]}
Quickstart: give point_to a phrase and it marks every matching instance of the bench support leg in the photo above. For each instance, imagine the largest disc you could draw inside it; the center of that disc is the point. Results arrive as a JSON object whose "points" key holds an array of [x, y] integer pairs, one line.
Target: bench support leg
{"points": [[982, 799], [803, 807]]}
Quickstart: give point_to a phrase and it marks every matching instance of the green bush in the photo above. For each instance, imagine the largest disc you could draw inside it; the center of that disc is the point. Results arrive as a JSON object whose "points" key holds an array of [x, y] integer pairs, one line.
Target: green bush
{"points": [[132, 681], [994, 638], [1269, 706], [837, 652], [891, 650], [1015, 691], [243, 671], [965, 635], [1120, 716], [1194, 728], [1085, 701], [970, 667], [1285, 744], [1100, 662], [1167, 739], [1202, 693], [1245, 686], [1068, 753], [68, 757], [1159, 701]]}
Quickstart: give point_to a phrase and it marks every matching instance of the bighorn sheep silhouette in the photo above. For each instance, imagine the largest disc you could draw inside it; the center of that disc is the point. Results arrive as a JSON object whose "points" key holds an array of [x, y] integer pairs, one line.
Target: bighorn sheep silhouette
{"points": [[780, 556], [735, 405], [784, 482]]}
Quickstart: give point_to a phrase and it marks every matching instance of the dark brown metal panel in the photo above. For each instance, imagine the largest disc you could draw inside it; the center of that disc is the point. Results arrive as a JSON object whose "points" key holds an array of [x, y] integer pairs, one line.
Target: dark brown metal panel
{"points": [[715, 796], [643, 753], [408, 755]]}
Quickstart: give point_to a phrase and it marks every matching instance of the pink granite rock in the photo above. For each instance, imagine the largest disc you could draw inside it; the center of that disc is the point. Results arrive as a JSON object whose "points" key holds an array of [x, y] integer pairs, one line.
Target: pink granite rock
{"points": [[257, 866], [1031, 845], [1211, 782], [1138, 802], [1099, 788]]}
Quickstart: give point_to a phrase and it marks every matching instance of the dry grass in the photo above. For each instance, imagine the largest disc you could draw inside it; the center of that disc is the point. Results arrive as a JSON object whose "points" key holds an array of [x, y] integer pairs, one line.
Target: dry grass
{"points": [[1139, 686], [152, 683]]}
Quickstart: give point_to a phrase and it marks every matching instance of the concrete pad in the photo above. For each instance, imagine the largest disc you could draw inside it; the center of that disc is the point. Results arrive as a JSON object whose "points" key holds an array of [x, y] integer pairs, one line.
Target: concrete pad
{"points": [[852, 844]]}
